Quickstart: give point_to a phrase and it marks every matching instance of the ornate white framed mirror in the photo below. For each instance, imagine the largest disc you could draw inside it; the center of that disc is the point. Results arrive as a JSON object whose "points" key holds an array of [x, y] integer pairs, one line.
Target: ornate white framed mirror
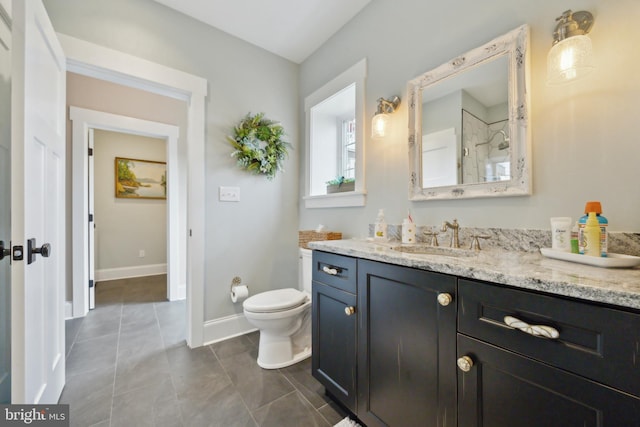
{"points": [[469, 131]]}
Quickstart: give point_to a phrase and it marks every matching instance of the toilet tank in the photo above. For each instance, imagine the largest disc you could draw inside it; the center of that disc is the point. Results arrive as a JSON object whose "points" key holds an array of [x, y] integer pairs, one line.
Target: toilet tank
{"points": [[304, 270]]}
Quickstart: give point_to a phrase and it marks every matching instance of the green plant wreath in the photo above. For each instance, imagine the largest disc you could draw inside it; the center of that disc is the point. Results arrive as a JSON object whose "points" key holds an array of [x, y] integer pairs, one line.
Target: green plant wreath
{"points": [[258, 144]]}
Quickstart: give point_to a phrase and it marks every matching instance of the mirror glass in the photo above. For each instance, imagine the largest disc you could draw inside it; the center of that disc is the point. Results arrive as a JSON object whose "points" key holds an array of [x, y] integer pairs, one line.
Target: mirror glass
{"points": [[468, 130]]}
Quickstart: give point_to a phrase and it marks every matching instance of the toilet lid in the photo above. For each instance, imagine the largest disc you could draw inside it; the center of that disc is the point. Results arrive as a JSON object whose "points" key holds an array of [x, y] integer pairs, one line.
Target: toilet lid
{"points": [[278, 300]]}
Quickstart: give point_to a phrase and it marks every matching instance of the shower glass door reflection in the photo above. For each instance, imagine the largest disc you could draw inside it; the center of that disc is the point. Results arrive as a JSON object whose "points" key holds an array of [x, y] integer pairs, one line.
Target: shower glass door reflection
{"points": [[5, 208]]}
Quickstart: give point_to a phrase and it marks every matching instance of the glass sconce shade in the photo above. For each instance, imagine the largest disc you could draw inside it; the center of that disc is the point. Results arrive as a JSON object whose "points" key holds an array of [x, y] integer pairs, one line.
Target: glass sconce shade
{"points": [[569, 59], [379, 125], [381, 120]]}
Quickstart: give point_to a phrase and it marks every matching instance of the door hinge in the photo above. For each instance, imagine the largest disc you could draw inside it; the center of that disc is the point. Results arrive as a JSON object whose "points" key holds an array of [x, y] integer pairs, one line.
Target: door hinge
{"points": [[91, 151], [90, 283], [5, 252], [90, 217]]}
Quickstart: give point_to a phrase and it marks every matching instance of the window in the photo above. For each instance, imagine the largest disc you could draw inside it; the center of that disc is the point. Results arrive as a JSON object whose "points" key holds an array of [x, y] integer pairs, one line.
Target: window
{"points": [[335, 149], [329, 146], [347, 160]]}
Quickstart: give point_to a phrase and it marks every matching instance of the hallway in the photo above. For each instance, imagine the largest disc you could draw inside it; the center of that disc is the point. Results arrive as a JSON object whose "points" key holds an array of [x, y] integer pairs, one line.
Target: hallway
{"points": [[128, 365]]}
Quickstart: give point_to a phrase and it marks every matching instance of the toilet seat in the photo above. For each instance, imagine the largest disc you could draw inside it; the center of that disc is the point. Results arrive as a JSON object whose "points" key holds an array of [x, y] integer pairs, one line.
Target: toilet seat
{"points": [[274, 301]]}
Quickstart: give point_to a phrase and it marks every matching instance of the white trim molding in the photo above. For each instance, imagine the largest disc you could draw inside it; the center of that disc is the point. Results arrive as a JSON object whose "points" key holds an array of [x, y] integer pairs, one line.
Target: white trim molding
{"points": [[336, 200], [226, 327], [107, 274], [68, 310], [98, 61]]}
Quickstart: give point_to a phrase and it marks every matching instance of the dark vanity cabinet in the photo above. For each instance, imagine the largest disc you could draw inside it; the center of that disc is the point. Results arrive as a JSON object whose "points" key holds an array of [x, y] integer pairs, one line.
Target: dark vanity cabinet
{"points": [[587, 376], [334, 325], [406, 346], [393, 344]]}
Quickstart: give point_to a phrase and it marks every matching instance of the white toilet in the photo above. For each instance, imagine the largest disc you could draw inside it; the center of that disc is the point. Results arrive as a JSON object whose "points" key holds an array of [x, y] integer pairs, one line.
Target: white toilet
{"points": [[283, 317]]}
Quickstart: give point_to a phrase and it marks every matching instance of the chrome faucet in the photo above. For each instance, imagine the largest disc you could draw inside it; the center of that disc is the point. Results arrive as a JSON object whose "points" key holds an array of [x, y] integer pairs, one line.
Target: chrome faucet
{"points": [[455, 243]]}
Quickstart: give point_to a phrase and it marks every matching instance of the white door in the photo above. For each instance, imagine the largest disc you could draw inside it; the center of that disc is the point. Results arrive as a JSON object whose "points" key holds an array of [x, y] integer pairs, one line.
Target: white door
{"points": [[5, 208], [439, 158], [91, 228], [37, 207]]}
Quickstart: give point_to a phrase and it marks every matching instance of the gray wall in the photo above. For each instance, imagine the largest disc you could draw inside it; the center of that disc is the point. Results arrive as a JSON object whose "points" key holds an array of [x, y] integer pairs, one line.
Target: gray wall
{"points": [[585, 135], [126, 226], [256, 238]]}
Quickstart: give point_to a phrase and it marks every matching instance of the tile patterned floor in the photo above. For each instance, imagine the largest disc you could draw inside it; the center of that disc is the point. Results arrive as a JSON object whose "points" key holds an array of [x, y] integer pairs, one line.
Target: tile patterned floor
{"points": [[128, 365]]}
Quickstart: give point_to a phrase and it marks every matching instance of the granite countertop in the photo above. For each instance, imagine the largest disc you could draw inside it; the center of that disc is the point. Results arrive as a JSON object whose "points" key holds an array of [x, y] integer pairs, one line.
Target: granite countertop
{"points": [[527, 270]]}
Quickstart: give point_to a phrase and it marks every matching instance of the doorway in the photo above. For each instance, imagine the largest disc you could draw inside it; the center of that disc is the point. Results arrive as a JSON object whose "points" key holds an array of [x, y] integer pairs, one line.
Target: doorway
{"points": [[129, 226], [83, 121], [90, 59]]}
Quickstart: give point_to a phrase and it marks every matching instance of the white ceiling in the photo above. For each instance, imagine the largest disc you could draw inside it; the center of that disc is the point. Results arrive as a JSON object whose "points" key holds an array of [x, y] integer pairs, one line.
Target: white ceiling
{"points": [[292, 29]]}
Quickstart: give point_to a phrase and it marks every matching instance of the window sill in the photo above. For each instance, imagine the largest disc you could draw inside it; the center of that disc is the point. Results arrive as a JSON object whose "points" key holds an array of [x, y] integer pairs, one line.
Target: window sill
{"points": [[336, 200]]}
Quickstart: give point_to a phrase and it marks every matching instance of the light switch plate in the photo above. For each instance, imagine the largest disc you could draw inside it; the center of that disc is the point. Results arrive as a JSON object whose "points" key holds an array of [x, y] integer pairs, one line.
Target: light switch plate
{"points": [[229, 194]]}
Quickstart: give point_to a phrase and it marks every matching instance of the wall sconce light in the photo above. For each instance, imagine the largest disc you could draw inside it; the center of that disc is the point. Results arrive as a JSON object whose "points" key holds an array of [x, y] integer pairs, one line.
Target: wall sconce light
{"points": [[380, 121], [571, 55]]}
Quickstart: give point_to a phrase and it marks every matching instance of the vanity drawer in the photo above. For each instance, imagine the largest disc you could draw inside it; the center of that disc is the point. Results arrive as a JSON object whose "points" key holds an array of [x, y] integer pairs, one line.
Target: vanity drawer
{"points": [[596, 342], [335, 270]]}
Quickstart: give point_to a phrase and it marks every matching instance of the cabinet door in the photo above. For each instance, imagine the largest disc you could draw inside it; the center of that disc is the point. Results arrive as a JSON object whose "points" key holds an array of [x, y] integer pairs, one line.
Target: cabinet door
{"points": [[333, 358], [406, 347], [504, 389]]}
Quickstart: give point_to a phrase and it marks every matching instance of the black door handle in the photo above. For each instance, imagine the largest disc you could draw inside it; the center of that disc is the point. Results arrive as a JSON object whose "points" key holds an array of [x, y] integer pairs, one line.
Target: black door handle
{"points": [[32, 250], [4, 251]]}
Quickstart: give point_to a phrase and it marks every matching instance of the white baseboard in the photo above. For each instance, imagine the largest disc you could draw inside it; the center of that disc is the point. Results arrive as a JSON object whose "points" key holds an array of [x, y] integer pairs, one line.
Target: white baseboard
{"points": [[128, 272], [68, 310], [182, 291], [180, 294], [226, 327]]}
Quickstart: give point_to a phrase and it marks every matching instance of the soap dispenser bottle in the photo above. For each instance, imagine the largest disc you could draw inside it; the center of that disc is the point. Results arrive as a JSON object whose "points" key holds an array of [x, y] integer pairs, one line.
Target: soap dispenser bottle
{"points": [[380, 227]]}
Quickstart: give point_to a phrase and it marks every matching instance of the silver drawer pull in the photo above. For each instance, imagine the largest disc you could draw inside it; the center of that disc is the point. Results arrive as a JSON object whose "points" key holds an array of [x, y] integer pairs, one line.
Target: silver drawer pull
{"points": [[331, 271], [535, 330]]}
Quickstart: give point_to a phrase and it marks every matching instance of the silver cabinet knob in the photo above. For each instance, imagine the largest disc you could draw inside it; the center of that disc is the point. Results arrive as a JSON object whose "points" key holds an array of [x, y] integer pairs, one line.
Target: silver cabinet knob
{"points": [[465, 363], [349, 310], [444, 299]]}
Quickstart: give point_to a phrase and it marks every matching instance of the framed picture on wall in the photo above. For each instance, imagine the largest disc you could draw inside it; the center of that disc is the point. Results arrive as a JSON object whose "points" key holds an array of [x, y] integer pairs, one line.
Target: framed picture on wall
{"points": [[140, 179]]}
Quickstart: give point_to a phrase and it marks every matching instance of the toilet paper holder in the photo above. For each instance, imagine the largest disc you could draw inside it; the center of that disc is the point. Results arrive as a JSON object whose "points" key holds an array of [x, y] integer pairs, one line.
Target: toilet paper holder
{"points": [[236, 282]]}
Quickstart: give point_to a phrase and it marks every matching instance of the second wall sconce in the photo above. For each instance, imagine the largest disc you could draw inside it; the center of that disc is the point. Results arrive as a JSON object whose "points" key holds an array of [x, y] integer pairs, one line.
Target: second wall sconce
{"points": [[380, 121], [571, 55]]}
